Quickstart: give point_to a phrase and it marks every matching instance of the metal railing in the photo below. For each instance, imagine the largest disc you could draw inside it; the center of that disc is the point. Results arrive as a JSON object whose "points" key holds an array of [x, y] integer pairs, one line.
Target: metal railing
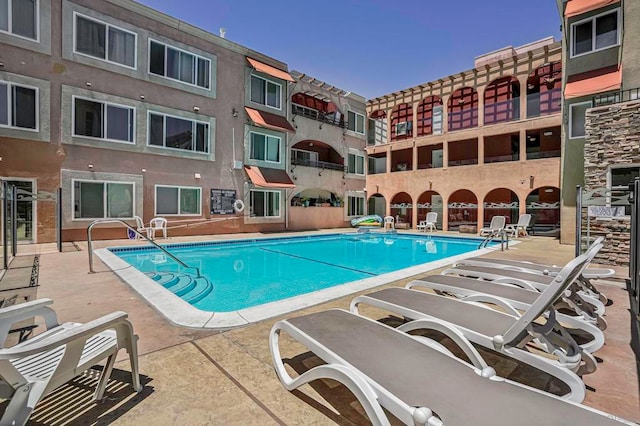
{"points": [[504, 239], [543, 154], [131, 228], [617, 97], [314, 114], [502, 158], [467, 162], [318, 164]]}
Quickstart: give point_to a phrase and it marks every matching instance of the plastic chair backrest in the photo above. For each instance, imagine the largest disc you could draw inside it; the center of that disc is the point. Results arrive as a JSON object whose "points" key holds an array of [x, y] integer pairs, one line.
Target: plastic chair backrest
{"points": [[432, 217], [158, 222]]}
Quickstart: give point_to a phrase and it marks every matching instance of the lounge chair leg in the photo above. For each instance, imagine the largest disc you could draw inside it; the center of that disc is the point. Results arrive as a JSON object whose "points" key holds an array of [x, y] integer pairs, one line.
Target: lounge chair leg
{"points": [[133, 359], [22, 404], [104, 377]]}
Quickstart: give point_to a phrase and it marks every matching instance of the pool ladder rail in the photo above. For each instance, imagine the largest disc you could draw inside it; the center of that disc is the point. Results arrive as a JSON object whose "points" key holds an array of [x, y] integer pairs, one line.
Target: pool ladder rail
{"points": [[134, 230], [504, 239]]}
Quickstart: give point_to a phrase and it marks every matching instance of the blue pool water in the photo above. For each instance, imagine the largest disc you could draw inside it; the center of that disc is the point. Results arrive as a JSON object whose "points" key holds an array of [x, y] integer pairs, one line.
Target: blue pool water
{"points": [[248, 273]]}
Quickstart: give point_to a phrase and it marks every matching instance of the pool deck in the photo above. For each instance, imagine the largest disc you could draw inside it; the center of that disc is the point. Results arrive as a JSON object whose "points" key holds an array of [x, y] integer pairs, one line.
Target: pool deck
{"points": [[226, 377]]}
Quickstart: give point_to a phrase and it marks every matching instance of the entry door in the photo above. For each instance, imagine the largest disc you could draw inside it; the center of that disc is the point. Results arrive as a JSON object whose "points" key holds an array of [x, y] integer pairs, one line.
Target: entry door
{"points": [[25, 211]]}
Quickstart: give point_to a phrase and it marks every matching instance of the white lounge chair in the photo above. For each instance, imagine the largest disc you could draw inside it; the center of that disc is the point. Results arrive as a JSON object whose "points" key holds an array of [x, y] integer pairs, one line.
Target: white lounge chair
{"points": [[506, 332], [417, 380], [521, 226], [157, 224], [429, 224], [496, 225], [32, 369]]}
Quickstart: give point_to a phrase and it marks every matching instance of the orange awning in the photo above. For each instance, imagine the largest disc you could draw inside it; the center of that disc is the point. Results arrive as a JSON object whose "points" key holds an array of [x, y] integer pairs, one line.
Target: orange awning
{"points": [[268, 69], [592, 82], [269, 120], [269, 178], [578, 7]]}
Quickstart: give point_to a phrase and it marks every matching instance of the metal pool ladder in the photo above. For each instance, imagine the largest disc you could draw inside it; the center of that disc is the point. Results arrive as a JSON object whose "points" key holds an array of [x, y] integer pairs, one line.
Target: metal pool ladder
{"points": [[504, 239], [131, 228]]}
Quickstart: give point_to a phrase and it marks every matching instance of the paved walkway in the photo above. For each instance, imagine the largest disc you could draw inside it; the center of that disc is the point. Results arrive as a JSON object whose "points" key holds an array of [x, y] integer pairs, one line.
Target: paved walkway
{"points": [[223, 378]]}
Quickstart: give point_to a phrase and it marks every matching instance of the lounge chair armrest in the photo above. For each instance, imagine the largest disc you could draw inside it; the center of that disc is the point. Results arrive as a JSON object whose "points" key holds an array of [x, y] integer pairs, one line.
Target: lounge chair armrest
{"points": [[34, 305], [116, 321], [451, 332], [23, 311]]}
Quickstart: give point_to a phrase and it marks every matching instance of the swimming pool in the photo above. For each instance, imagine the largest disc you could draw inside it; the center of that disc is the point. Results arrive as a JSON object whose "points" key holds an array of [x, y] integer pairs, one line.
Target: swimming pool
{"points": [[243, 279]]}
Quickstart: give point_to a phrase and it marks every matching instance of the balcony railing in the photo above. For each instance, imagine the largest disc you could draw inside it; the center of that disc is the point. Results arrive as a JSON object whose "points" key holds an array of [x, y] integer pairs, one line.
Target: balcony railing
{"points": [[334, 118], [545, 103], [617, 98], [502, 158], [317, 164], [501, 112], [463, 162], [542, 154]]}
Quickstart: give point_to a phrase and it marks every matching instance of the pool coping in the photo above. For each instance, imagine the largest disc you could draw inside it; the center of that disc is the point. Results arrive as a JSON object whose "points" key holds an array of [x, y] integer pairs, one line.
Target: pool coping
{"points": [[183, 314]]}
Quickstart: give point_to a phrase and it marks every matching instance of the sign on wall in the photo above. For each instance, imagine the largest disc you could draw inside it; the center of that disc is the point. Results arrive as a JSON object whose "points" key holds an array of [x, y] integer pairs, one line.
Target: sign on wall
{"points": [[222, 201]]}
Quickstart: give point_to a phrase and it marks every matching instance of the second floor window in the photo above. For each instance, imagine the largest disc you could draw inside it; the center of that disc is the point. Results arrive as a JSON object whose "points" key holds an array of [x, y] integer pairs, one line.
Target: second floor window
{"points": [[103, 120], [104, 41], [265, 92], [593, 34], [19, 17], [265, 147], [355, 122], [18, 106], [355, 164], [178, 133], [179, 65]]}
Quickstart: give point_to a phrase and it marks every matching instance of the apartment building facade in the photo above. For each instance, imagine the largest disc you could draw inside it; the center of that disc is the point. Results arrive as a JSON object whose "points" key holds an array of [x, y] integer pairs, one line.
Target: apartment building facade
{"points": [[601, 50], [472, 145]]}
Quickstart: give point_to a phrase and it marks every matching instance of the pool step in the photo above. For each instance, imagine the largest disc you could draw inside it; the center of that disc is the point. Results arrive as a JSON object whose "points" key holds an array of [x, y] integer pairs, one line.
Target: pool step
{"points": [[201, 289], [188, 287]]}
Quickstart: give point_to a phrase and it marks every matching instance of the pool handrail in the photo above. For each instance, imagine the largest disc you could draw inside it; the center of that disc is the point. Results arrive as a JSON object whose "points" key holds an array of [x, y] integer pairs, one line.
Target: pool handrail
{"points": [[131, 228]]}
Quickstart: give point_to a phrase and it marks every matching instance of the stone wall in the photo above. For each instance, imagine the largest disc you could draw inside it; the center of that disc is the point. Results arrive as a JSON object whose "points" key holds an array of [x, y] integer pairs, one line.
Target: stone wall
{"points": [[612, 138]]}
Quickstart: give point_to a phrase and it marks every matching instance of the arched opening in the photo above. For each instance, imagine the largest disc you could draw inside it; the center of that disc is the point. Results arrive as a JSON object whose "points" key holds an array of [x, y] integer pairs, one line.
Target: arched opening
{"points": [[430, 201], [312, 153], [401, 122], [316, 109], [463, 109], [544, 90], [501, 202], [463, 209], [377, 205], [401, 210], [377, 132], [315, 197], [502, 100], [544, 206], [430, 116]]}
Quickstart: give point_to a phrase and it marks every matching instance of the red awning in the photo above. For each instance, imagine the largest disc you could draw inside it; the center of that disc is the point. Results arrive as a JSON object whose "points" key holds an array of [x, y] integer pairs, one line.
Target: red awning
{"points": [[578, 7], [268, 69], [592, 82], [269, 120], [269, 178]]}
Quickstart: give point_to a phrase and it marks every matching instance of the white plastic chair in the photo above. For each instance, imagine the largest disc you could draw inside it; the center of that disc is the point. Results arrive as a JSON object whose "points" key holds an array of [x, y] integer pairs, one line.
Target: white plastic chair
{"points": [[140, 227], [430, 221], [521, 226], [157, 224], [389, 222], [496, 225], [34, 368]]}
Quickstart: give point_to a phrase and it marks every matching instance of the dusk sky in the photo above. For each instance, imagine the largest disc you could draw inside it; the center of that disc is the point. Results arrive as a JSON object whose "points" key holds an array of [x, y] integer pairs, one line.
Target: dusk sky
{"points": [[372, 47]]}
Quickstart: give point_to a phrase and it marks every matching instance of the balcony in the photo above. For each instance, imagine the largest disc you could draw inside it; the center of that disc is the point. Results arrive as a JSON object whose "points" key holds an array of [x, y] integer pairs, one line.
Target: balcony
{"points": [[334, 118], [545, 103], [617, 97], [502, 158], [544, 154], [325, 165], [502, 112], [463, 119]]}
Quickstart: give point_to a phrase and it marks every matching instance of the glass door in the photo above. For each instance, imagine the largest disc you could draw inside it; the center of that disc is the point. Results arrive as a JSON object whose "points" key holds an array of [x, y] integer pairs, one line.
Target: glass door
{"points": [[24, 209]]}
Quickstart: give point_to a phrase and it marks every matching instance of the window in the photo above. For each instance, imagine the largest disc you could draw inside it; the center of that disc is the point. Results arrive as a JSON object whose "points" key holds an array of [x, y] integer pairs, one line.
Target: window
{"points": [[593, 34], [620, 178], [437, 120], [99, 200], [355, 164], [178, 200], [265, 147], [355, 122], [178, 133], [18, 106], [265, 92], [103, 120], [264, 203], [577, 119], [179, 65], [20, 18], [104, 41], [355, 206]]}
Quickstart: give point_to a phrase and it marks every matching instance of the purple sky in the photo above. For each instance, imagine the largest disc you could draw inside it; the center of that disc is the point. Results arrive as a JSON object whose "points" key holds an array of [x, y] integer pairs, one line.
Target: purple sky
{"points": [[372, 47]]}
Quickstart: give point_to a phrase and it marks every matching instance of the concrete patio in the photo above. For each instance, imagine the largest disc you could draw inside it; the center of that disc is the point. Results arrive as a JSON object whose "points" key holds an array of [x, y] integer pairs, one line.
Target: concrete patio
{"points": [[207, 377]]}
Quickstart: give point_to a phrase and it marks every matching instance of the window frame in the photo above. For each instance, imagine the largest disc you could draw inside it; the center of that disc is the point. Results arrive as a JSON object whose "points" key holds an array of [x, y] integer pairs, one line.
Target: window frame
{"points": [[355, 122], [264, 191], [10, 106], [180, 187], [356, 155], [10, 23], [611, 188], [104, 195], [104, 125], [106, 43], [570, 123], [251, 133], [195, 55], [357, 197], [267, 81], [593, 20], [164, 131]]}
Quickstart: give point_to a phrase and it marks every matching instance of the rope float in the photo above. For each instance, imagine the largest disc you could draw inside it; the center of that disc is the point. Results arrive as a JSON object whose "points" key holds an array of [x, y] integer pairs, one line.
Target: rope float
{"points": [[238, 205]]}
